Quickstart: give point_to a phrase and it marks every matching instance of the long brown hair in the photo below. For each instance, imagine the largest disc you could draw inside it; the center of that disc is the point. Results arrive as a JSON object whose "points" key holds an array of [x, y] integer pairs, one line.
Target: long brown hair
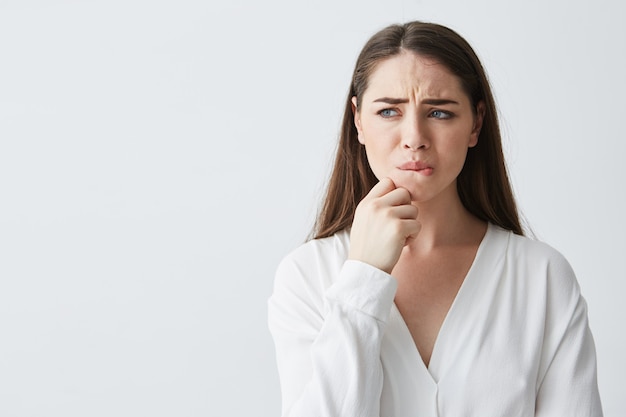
{"points": [[483, 184]]}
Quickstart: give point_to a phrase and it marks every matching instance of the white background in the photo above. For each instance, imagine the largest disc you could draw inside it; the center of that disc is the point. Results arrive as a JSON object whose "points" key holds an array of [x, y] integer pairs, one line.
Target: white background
{"points": [[158, 158]]}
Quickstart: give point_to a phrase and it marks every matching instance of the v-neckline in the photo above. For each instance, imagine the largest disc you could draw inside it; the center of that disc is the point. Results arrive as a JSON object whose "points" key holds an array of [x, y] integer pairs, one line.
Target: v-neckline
{"points": [[433, 370]]}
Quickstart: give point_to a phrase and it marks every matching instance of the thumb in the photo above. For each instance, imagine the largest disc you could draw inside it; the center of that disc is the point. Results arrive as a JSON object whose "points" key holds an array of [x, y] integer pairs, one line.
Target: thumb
{"points": [[381, 188]]}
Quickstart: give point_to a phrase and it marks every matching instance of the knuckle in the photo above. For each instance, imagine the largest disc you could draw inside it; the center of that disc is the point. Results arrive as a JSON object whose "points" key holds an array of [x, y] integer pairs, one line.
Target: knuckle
{"points": [[376, 204], [387, 212], [405, 194], [397, 228]]}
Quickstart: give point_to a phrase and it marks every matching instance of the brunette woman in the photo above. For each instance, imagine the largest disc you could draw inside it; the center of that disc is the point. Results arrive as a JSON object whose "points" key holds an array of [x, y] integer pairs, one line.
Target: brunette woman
{"points": [[419, 294]]}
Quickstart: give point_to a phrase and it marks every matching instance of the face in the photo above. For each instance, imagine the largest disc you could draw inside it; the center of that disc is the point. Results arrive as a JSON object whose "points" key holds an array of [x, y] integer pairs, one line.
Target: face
{"points": [[416, 124]]}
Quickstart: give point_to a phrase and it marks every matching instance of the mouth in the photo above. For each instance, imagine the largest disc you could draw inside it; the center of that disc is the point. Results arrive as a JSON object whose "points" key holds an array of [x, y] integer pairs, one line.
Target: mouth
{"points": [[417, 166]]}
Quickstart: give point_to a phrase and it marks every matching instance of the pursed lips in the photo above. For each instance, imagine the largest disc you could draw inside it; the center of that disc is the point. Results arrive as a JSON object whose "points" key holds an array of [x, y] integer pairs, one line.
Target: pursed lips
{"points": [[418, 166]]}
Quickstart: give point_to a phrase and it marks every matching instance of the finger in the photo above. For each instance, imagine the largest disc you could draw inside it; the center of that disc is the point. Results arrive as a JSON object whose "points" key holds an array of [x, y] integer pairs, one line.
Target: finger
{"points": [[406, 211], [397, 197], [383, 187], [411, 229]]}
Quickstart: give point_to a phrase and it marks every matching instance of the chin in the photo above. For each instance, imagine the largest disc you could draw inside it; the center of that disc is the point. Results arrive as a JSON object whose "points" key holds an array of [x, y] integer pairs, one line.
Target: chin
{"points": [[420, 188], [411, 185], [418, 196]]}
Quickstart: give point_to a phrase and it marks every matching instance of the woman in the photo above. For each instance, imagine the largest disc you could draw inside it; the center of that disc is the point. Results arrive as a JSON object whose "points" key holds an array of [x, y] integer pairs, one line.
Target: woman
{"points": [[419, 295]]}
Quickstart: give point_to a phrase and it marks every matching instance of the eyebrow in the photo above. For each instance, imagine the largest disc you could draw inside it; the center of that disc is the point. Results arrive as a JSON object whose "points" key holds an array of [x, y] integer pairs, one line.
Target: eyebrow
{"points": [[390, 100], [431, 101], [439, 101]]}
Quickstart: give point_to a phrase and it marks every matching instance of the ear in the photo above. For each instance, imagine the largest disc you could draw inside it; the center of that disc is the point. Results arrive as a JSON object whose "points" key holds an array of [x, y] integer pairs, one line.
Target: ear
{"points": [[478, 124], [357, 120]]}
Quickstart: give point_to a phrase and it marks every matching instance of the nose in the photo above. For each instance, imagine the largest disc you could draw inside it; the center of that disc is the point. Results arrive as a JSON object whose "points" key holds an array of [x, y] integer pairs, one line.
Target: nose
{"points": [[414, 135]]}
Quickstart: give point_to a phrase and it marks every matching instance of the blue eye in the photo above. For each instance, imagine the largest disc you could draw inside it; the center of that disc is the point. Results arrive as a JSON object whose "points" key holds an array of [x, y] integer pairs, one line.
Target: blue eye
{"points": [[388, 113], [440, 114]]}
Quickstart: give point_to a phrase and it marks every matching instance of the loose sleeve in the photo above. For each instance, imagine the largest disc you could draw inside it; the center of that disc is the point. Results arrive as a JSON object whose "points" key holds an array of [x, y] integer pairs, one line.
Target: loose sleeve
{"points": [[568, 384], [328, 340]]}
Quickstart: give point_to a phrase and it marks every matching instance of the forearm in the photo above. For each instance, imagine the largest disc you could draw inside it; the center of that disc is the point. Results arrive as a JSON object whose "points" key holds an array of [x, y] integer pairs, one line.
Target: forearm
{"points": [[334, 370]]}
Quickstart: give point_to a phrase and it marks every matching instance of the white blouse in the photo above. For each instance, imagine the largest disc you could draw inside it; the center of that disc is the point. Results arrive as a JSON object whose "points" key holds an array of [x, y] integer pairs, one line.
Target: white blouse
{"points": [[515, 342]]}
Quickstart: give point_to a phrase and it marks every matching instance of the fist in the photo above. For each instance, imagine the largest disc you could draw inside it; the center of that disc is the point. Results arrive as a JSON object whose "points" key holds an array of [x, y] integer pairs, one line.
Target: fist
{"points": [[384, 222]]}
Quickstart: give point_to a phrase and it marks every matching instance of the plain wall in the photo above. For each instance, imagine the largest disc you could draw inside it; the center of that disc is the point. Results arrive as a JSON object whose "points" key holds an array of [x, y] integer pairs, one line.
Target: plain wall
{"points": [[158, 159]]}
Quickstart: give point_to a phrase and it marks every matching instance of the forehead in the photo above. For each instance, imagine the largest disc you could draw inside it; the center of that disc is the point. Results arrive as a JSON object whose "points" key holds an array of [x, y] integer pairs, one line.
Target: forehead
{"points": [[408, 73]]}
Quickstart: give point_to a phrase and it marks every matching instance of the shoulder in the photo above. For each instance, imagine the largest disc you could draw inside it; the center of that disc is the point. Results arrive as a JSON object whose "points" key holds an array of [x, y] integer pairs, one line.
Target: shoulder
{"points": [[532, 248], [538, 263], [538, 253]]}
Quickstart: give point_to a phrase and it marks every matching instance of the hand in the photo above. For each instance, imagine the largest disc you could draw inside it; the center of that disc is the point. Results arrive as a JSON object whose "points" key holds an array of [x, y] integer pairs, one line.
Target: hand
{"points": [[384, 222]]}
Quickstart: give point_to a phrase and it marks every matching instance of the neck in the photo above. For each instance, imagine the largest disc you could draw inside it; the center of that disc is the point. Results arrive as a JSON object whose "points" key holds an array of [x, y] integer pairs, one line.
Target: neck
{"points": [[446, 222]]}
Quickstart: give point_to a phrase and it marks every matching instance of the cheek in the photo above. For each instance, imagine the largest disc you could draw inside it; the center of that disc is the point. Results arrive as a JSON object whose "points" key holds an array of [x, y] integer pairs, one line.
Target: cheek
{"points": [[379, 147], [418, 190], [374, 160], [403, 179]]}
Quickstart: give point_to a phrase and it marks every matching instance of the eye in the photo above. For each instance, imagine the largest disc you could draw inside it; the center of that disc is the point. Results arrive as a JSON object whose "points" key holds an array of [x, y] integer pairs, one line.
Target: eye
{"points": [[440, 114], [388, 113]]}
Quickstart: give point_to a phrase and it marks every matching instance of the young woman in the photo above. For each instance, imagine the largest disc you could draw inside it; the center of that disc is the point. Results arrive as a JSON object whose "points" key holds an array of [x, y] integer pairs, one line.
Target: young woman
{"points": [[419, 295]]}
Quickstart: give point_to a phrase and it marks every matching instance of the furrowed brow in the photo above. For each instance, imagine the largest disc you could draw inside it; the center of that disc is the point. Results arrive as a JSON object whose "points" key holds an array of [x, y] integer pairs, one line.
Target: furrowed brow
{"points": [[391, 100], [439, 101], [431, 101]]}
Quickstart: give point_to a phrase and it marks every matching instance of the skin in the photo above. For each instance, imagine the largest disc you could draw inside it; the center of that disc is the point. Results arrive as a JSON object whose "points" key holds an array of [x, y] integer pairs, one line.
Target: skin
{"points": [[412, 224]]}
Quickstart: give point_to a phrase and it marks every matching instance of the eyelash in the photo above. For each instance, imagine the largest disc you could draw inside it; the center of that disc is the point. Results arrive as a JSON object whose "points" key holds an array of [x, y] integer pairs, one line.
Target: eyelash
{"points": [[444, 114], [381, 113]]}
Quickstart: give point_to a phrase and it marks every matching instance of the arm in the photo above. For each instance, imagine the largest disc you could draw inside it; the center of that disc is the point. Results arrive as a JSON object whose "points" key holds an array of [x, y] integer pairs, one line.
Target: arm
{"points": [[328, 340], [569, 385], [329, 361]]}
